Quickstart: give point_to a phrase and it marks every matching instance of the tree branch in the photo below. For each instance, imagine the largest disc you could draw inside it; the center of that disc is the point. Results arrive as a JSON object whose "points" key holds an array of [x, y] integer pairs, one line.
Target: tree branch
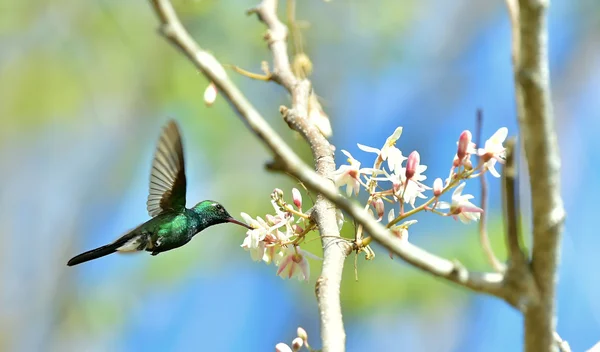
{"points": [[536, 123], [335, 250], [276, 37], [484, 238]]}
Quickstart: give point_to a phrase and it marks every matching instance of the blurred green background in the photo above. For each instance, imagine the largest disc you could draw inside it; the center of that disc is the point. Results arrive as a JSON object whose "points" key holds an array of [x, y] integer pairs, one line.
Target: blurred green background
{"points": [[85, 88]]}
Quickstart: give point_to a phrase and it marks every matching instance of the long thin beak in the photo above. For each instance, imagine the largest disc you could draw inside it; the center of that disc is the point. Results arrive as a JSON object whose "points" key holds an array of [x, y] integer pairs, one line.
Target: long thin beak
{"points": [[234, 221]]}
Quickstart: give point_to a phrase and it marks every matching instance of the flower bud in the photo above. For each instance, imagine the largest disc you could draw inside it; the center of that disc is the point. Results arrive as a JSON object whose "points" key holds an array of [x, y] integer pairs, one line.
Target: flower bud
{"points": [[463, 144], [456, 162], [438, 187], [412, 164], [277, 194], [302, 333], [282, 347], [379, 208], [297, 344], [467, 164], [210, 94], [297, 197]]}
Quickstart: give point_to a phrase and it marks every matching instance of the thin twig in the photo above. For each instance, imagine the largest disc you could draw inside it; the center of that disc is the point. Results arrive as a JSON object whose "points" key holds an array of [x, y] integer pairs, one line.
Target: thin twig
{"points": [[511, 207], [484, 238]]}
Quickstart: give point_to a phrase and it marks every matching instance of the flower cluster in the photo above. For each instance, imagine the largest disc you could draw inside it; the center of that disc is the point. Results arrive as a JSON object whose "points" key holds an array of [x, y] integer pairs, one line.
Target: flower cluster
{"points": [[399, 180], [395, 180], [276, 239]]}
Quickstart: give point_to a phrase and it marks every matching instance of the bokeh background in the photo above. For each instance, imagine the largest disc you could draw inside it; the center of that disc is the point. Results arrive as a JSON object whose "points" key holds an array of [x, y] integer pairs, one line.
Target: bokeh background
{"points": [[85, 87]]}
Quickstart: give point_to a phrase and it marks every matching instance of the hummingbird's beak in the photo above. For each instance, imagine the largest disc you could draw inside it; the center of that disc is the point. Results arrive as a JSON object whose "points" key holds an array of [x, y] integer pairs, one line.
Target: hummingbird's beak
{"points": [[234, 221]]}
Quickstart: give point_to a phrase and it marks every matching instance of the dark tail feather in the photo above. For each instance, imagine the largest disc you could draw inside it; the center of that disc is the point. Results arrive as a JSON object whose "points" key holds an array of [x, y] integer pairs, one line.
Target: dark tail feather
{"points": [[94, 254]]}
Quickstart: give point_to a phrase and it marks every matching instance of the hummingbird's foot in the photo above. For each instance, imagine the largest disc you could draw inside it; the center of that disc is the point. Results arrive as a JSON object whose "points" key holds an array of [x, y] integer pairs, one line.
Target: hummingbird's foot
{"points": [[154, 253]]}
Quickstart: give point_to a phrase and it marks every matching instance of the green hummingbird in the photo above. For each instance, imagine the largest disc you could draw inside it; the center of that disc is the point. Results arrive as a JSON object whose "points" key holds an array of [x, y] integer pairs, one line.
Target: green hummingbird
{"points": [[172, 224]]}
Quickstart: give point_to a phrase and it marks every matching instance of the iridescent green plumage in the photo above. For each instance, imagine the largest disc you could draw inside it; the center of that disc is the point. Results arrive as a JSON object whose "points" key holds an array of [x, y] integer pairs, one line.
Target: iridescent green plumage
{"points": [[172, 224]]}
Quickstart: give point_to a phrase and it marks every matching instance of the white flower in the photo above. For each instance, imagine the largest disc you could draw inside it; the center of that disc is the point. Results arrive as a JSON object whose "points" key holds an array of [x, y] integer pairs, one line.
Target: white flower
{"points": [[408, 190], [390, 142], [274, 251], [273, 254], [395, 160], [294, 263], [349, 175], [413, 191], [494, 151], [400, 231], [261, 240], [461, 207], [253, 241]]}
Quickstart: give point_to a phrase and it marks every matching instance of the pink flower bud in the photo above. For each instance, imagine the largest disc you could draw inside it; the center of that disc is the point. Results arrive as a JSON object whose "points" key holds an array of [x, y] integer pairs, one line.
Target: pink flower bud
{"points": [[302, 334], [282, 347], [297, 197], [456, 162], [463, 144], [438, 187], [379, 208], [297, 344], [412, 164], [210, 94]]}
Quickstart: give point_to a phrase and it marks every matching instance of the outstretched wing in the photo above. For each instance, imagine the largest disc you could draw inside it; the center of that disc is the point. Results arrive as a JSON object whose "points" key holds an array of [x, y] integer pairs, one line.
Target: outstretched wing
{"points": [[167, 179]]}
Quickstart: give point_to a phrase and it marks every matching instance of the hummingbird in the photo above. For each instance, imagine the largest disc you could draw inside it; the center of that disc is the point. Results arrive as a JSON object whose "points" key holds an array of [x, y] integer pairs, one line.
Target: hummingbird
{"points": [[172, 224]]}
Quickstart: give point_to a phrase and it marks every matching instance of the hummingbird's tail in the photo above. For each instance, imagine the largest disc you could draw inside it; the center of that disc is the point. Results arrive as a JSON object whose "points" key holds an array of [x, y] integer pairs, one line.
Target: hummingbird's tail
{"points": [[94, 254]]}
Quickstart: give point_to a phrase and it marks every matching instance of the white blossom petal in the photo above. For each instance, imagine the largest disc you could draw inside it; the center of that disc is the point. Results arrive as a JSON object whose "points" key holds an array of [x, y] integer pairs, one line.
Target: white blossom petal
{"points": [[366, 148]]}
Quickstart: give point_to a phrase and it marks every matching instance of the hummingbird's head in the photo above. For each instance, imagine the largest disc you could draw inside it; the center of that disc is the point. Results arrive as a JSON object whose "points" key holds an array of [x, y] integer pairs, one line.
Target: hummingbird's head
{"points": [[213, 213]]}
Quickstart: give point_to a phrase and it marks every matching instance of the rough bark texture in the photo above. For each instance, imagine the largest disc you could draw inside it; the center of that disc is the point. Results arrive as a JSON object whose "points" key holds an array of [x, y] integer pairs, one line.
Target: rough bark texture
{"points": [[538, 135]]}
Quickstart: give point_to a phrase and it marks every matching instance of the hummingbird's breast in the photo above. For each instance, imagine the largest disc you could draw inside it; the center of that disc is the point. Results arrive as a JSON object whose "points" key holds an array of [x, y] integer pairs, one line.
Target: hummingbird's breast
{"points": [[195, 223]]}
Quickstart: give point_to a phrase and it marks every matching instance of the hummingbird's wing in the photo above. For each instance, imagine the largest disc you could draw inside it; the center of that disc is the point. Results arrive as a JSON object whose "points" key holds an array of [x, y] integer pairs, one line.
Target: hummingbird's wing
{"points": [[167, 180]]}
